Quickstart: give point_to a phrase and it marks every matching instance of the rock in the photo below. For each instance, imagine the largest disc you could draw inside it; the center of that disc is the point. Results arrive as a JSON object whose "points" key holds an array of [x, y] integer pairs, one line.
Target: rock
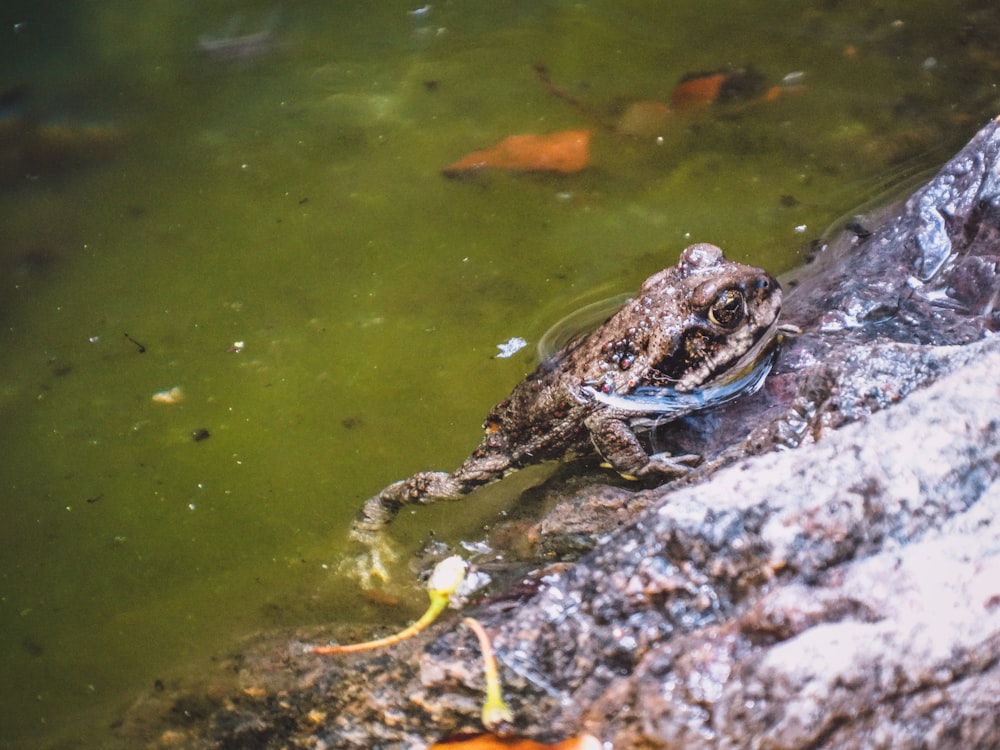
{"points": [[843, 595], [829, 578]]}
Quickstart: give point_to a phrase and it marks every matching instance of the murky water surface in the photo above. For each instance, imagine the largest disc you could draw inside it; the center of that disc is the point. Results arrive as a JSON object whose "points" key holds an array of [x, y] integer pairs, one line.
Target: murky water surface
{"points": [[272, 237]]}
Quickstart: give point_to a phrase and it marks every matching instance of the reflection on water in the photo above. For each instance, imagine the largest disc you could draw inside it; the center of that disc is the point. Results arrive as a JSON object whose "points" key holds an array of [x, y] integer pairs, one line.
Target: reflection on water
{"points": [[273, 234]]}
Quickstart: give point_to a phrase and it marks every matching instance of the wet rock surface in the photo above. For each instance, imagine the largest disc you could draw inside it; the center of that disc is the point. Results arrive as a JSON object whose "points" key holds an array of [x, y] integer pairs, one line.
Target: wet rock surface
{"points": [[828, 578]]}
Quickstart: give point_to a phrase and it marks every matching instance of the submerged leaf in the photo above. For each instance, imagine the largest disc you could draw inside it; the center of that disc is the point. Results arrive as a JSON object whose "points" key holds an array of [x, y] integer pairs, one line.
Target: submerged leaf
{"points": [[565, 151]]}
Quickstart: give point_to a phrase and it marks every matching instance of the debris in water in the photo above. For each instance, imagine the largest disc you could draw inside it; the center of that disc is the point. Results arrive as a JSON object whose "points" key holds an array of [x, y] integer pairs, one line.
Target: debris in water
{"points": [[510, 347], [170, 396]]}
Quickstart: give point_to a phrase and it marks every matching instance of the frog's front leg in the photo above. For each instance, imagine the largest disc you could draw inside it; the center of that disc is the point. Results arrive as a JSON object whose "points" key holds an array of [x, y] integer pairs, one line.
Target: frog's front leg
{"points": [[616, 442]]}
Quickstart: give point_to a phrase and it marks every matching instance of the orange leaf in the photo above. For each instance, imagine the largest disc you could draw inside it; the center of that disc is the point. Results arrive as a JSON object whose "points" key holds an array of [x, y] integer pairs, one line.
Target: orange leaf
{"points": [[493, 742], [697, 91], [566, 151]]}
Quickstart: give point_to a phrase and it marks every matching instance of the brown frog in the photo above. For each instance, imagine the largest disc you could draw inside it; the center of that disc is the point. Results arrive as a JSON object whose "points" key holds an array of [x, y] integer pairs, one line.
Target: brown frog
{"points": [[697, 334]]}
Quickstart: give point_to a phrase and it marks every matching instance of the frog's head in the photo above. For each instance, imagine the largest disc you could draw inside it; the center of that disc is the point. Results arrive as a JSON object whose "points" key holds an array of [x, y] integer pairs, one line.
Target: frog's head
{"points": [[728, 322]]}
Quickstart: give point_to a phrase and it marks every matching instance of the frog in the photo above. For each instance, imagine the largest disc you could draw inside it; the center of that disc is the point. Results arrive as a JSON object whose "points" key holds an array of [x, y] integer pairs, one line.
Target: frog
{"points": [[697, 334]]}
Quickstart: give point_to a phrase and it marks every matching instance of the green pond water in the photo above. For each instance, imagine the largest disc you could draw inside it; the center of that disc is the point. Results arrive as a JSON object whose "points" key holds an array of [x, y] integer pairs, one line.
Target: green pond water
{"points": [[273, 237]]}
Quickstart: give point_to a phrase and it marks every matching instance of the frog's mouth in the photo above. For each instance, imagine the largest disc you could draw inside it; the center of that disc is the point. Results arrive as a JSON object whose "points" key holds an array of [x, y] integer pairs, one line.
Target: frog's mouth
{"points": [[744, 377]]}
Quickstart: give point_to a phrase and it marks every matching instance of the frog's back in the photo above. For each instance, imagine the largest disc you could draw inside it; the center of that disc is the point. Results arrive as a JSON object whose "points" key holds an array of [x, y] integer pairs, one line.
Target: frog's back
{"points": [[543, 416]]}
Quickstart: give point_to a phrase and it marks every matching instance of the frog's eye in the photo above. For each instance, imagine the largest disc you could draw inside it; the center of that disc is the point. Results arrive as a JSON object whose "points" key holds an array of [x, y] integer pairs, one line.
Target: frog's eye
{"points": [[729, 309]]}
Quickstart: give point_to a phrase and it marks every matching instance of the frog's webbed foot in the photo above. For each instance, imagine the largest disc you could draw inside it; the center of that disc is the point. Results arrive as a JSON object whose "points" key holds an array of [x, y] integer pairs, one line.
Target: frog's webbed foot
{"points": [[620, 448], [370, 525], [660, 465], [370, 566], [666, 465]]}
